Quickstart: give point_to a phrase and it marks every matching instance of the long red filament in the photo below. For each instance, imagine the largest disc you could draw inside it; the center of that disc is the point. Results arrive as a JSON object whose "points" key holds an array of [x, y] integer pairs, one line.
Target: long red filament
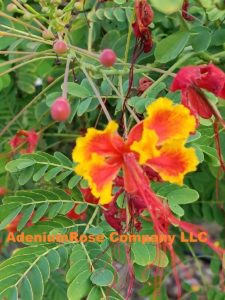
{"points": [[157, 208]]}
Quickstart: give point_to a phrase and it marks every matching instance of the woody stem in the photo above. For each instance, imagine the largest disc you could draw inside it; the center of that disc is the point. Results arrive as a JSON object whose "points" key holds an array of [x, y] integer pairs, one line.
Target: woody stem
{"points": [[66, 76], [97, 94]]}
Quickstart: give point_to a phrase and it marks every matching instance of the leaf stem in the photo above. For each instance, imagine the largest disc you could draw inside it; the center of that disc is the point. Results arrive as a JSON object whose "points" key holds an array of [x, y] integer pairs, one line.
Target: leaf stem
{"points": [[17, 116], [21, 32], [66, 76], [120, 96], [25, 63], [26, 11], [40, 40], [2, 14], [168, 72], [25, 57], [97, 94], [91, 219]]}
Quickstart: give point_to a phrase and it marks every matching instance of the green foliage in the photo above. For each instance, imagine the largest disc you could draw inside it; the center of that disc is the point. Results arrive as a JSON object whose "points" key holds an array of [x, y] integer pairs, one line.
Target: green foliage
{"points": [[167, 6], [43, 165], [33, 205], [56, 287], [90, 273], [28, 271], [179, 39], [37, 200]]}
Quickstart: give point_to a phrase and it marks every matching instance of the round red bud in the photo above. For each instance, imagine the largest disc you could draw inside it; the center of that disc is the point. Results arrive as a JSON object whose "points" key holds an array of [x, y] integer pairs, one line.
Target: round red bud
{"points": [[108, 58], [3, 191], [60, 47], [60, 109], [50, 79]]}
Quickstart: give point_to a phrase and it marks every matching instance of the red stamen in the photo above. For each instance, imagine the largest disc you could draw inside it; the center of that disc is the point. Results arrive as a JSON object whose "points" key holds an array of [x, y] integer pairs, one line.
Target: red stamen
{"points": [[218, 145], [155, 207]]}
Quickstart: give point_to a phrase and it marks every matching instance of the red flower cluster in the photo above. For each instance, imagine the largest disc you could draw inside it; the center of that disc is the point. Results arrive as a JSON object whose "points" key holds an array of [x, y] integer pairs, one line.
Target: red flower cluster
{"points": [[3, 191], [190, 80], [88, 197], [27, 139], [144, 84], [144, 16], [12, 227], [74, 216], [115, 216]]}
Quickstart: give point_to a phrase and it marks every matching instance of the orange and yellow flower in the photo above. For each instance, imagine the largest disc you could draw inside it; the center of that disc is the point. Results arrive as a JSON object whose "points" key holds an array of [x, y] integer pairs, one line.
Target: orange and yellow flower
{"points": [[158, 142]]}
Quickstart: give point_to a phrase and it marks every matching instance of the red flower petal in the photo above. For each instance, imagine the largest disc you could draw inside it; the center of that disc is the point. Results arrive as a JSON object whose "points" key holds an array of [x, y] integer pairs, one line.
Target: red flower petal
{"points": [[196, 103], [100, 174], [169, 121], [174, 162], [105, 142], [28, 138], [208, 77], [144, 84], [144, 16], [185, 13], [212, 79], [135, 133], [185, 78]]}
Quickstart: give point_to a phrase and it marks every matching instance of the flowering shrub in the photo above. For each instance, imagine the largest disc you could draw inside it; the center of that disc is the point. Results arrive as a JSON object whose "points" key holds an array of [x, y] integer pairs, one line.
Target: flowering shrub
{"points": [[112, 149]]}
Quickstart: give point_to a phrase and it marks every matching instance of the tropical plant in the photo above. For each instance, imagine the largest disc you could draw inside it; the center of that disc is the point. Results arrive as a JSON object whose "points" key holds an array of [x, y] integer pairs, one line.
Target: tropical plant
{"points": [[112, 118]]}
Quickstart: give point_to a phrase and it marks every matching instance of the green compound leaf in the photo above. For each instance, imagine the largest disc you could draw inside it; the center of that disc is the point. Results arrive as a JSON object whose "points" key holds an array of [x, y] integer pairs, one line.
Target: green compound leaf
{"points": [[102, 277], [174, 45]]}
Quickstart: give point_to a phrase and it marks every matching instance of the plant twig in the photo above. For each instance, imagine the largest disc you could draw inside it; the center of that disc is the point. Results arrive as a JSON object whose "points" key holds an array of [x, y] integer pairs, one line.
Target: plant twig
{"points": [[2, 14], [26, 11], [120, 96], [66, 76], [25, 63], [167, 73], [38, 39], [17, 116], [97, 94]]}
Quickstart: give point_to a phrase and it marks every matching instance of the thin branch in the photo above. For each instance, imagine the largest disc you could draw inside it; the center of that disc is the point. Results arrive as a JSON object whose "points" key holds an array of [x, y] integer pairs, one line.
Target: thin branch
{"points": [[97, 94], [40, 40], [120, 96], [2, 14], [17, 52], [21, 32], [91, 219], [25, 57], [29, 105], [167, 73], [26, 11], [25, 63], [66, 76]]}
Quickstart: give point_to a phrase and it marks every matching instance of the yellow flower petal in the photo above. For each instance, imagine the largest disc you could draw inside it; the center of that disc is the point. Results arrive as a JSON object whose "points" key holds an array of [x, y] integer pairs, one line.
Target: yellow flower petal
{"points": [[146, 147], [95, 141], [169, 121], [174, 162], [98, 159], [100, 176]]}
